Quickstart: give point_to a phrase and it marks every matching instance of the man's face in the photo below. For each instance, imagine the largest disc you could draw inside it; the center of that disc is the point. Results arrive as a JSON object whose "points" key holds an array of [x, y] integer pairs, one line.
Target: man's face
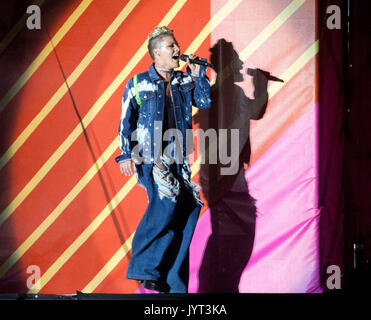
{"points": [[167, 55]]}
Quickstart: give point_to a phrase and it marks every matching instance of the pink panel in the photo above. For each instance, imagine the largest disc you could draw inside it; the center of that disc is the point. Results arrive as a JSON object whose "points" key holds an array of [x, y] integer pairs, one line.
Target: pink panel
{"points": [[285, 255]]}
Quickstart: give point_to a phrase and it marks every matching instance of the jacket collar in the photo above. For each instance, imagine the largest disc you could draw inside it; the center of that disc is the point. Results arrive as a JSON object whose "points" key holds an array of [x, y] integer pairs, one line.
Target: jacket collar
{"points": [[154, 75]]}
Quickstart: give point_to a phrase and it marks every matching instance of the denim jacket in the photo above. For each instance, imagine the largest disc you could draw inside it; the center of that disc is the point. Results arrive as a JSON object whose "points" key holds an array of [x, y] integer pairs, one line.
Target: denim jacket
{"points": [[140, 128]]}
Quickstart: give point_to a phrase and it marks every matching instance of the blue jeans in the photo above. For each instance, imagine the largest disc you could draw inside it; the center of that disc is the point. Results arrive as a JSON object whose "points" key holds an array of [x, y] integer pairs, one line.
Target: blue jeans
{"points": [[161, 242]]}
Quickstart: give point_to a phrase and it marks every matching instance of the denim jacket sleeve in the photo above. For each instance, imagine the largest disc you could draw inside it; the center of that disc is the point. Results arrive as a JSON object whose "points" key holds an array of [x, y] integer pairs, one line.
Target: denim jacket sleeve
{"points": [[128, 122], [202, 92]]}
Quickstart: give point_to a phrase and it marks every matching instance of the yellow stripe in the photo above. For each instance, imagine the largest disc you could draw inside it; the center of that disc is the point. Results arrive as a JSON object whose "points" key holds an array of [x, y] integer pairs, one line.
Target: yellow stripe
{"points": [[53, 269], [286, 76], [270, 29], [258, 41], [211, 25], [50, 105], [132, 181], [36, 234], [43, 54], [293, 69], [109, 266], [57, 265], [63, 89], [16, 28], [119, 255]]}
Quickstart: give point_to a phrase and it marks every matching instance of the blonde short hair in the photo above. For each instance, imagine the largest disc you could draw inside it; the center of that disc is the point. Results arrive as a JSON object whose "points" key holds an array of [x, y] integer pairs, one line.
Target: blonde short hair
{"points": [[155, 37]]}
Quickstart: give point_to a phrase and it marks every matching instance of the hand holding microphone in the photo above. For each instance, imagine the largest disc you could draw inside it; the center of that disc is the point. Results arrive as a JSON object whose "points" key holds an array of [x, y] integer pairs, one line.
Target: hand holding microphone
{"points": [[193, 60], [195, 68]]}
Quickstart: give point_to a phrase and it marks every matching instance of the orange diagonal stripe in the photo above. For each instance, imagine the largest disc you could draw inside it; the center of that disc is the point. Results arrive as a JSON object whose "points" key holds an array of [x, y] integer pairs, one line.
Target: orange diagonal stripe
{"points": [[73, 136], [43, 54], [63, 89], [48, 165]]}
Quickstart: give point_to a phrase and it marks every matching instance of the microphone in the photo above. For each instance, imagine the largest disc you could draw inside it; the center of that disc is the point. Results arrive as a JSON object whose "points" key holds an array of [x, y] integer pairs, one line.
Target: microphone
{"points": [[252, 72], [184, 57]]}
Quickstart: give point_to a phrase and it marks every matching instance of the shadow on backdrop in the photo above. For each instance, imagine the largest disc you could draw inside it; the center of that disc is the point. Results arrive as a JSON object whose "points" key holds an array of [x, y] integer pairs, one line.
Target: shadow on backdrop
{"points": [[232, 208]]}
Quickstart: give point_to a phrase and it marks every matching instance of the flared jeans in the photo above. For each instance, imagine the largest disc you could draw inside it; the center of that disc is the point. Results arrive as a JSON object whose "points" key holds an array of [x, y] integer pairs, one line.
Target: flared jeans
{"points": [[160, 248]]}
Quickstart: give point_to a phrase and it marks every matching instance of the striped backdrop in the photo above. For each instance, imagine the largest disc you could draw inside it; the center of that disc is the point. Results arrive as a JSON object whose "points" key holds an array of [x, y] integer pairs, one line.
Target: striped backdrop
{"points": [[65, 207]]}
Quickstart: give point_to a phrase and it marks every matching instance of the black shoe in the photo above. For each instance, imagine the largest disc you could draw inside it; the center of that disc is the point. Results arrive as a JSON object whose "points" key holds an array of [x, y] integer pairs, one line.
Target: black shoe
{"points": [[155, 285]]}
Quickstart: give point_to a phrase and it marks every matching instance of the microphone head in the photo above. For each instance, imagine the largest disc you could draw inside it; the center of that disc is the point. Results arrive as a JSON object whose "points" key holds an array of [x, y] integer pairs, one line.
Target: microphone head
{"points": [[184, 57]]}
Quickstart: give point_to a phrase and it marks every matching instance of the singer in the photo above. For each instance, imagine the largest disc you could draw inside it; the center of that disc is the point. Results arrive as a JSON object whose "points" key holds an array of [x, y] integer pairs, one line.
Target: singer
{"points": [[154, 103]]}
